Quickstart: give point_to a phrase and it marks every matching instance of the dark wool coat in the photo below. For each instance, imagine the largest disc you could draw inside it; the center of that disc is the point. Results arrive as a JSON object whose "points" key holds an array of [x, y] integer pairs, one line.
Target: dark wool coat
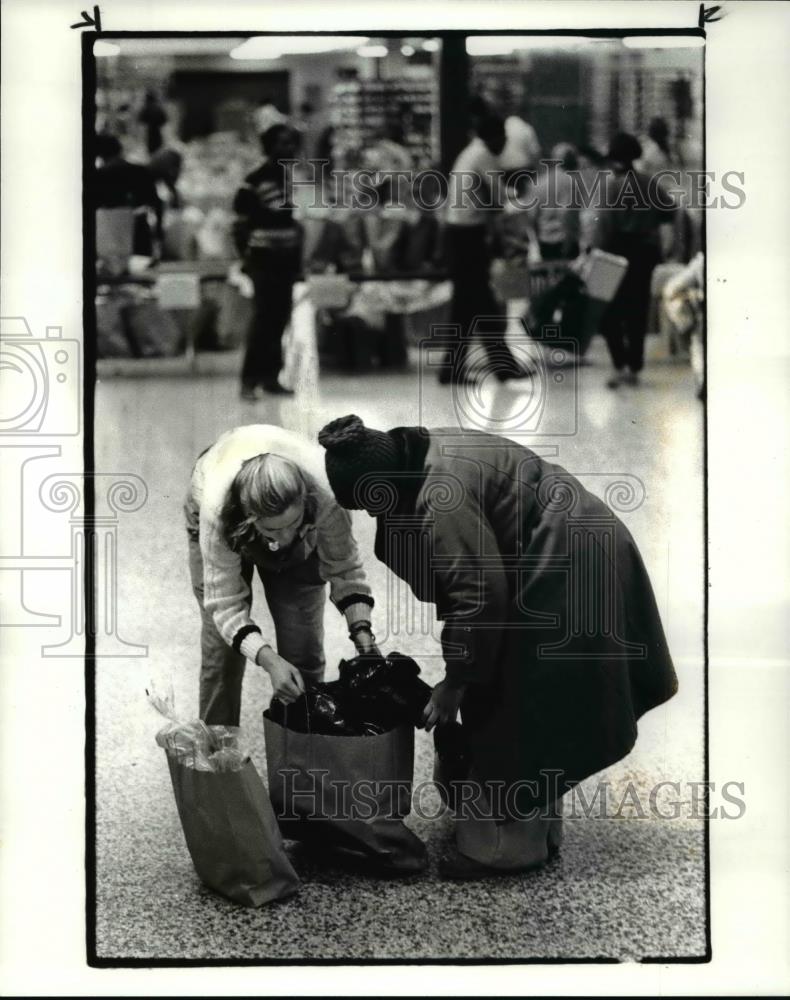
{"points": [[547, 609]]}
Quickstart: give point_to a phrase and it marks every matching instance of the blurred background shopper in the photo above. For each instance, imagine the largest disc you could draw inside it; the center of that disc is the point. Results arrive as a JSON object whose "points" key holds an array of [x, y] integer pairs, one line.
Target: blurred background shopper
{"points": [[556, 219], [270, 241], [474, 200], [120, 183], [628, 225]]}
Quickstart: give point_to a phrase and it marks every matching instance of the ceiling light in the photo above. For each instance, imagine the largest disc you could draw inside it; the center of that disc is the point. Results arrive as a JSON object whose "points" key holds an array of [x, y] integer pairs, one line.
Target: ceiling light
{"points": [[506, 45], [372, 51], [664, 42], [275, 46], [102, 49], [407, 50], [431, 45]]}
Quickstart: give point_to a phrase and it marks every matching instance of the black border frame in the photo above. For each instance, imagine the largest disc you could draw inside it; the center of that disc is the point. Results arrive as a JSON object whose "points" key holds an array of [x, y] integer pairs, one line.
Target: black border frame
{"points": [[89, 384]]}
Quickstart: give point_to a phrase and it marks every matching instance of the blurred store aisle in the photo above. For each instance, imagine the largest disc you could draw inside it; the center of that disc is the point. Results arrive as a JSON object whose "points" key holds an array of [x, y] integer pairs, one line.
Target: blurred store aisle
{"points": [[624, 888]]}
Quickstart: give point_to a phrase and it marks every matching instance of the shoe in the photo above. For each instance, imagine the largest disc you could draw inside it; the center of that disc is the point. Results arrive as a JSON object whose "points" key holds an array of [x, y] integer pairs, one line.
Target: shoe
{"points": [[615, 381], [249, 393], [275, 389], [460, 868], [355, 862], [631, 378]]}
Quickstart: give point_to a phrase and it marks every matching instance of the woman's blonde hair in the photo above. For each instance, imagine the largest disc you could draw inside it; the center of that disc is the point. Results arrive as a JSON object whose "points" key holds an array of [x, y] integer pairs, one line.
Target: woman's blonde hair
{"points": [[264, 486]]}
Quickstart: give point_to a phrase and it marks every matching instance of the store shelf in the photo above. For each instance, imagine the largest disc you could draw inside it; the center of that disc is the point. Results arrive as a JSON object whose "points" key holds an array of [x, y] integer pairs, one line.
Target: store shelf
{"points": [[360, 109]]}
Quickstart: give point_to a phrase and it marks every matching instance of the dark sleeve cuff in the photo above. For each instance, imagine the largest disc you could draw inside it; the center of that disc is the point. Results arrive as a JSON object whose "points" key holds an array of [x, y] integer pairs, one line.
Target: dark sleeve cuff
{"points": [[346, 602], [242, 634]]}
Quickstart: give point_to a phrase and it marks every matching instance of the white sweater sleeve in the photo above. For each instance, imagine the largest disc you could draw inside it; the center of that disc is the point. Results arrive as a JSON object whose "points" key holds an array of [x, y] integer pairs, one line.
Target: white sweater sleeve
{"points": [[225, 594]]}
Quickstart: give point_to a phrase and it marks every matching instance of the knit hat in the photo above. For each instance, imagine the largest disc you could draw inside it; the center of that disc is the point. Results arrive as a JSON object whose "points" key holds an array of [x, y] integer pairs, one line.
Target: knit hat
{"points": [[354, 451]]}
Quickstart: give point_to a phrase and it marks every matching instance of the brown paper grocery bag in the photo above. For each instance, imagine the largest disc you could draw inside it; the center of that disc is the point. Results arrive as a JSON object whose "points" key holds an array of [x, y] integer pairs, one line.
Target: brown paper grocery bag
{"points": [[351, 792], [231, 833]]}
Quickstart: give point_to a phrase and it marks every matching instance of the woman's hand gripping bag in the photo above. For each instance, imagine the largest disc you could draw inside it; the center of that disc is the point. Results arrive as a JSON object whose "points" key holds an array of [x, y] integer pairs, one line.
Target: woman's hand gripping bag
{"points": [[349, 792]]}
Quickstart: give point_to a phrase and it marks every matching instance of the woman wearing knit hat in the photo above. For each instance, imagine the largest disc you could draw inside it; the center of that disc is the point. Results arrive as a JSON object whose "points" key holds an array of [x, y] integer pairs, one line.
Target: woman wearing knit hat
{"points": [[259, 499], [551, 636]]}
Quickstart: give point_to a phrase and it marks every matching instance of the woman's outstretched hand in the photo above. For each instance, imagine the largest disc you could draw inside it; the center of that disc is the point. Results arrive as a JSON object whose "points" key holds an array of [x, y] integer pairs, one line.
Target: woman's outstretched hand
{"points": [[443, 705], [287, 682]]}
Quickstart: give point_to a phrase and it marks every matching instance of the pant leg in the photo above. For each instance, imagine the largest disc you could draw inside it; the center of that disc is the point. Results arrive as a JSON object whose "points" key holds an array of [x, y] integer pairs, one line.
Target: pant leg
{"points": [[612, 328], [499, 358], [297, 604], [515, 844], [263, 358], [256, 331], [475, 308], [462, 308], [278, 299], [637, 307], [492, 325], [221, 667]]}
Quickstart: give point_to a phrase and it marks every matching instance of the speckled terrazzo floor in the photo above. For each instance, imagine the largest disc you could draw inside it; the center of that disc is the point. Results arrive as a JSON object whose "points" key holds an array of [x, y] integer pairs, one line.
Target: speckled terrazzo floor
{"points": [[625, 888]]}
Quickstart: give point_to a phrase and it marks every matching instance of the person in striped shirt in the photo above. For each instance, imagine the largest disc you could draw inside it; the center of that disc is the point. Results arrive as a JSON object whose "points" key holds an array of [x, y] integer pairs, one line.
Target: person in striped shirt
{"points": [[269, 239]]}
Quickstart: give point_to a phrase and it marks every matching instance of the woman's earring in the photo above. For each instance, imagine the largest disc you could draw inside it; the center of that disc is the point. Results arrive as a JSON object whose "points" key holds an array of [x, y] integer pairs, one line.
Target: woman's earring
{"points": [[274, 546]]}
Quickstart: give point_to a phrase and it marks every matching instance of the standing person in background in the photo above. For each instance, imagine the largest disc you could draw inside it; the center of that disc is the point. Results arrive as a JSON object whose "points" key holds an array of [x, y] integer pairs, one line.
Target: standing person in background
{"points": [[591, 163], [554, 219], [324, 163], [153, 116], [325, 147], [304, 124], [629, 228], [165, 166], [683, 301], [658, 155], [390, 152], [522, 147], [388, 158], [473, 203], [121, 184], [269, 240]]}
